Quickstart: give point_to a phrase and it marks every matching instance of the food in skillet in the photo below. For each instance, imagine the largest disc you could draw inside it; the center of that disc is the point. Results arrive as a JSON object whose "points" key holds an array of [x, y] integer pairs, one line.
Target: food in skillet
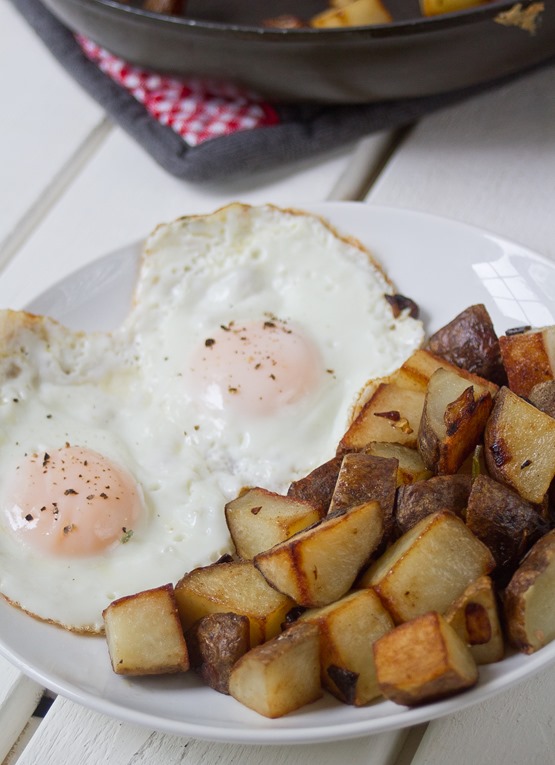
{"points": [[339, 13], [466, 573]]}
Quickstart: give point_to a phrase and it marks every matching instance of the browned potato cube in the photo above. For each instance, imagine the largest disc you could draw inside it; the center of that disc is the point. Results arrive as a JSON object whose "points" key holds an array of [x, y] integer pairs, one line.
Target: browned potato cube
{"points": [[216, 642], [423, 660], [528, 358], [469, 341], [144, 633], [364, 478], [319, 565], [280, 676], [529, 598], [410, 466], [453, 420], [348, 629], [519, 446], [506, 523], [353, 14], [259, 519], [317, 487], [437, 7], [428, 567], [442, 492], [391, 414], [475, 618], [418, 369], [237, 587]]}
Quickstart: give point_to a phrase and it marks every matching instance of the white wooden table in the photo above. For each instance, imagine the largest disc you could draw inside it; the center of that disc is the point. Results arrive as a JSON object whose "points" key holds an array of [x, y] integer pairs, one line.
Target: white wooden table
{"points": [[73, 187]]}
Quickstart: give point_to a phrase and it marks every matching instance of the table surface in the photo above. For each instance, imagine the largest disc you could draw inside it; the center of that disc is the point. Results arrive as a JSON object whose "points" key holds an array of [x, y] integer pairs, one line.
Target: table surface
{"points": [[74, 186]]}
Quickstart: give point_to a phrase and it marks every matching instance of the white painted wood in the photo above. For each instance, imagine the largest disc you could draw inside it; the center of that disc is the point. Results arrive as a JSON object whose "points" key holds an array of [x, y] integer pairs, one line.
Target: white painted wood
{"points": [[45, 118], [122, 194], [490, 162], [74, 735], [514, 728], [19, 697]]}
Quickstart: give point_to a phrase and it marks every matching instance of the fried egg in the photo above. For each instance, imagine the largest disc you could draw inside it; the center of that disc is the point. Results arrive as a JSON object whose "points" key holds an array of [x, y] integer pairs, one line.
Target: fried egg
{"points": [[251, 334]]}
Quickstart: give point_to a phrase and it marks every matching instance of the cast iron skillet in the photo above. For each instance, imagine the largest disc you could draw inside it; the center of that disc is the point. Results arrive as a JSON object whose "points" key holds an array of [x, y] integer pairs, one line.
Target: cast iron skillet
{"points": [[224, 39]]}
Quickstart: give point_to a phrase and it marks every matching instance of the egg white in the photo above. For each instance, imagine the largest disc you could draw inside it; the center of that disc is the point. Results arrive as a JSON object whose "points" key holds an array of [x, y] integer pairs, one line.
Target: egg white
{"points": [[125, 394]]}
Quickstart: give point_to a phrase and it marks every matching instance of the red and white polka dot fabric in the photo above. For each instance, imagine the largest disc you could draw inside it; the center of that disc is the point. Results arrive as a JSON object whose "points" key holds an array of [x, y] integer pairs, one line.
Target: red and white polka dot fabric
{"points": [[195, 109]]}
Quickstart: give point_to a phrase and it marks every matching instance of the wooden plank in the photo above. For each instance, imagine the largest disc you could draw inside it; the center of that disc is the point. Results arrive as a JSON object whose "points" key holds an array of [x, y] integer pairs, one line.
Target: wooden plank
{"points": [[19, 697], [489, 162], [73, 734], [45, 119]]}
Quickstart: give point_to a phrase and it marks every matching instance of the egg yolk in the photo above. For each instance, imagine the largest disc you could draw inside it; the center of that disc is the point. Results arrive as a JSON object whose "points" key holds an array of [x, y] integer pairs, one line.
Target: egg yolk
{"points": [[72, 502], [254, 368]]}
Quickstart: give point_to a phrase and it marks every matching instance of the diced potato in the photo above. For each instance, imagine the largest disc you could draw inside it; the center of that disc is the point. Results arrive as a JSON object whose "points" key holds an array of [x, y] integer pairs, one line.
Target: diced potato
{"points": [[502, 520], [216, 642], [280, 676], [389, 409], [529, 598], [319, 565], [391, 414], [364, 478], [418, 369], [259, 519], [237, 587], [410, 467], [353, 14], [442, 492], [519, 446], [469, 341], [453, 420], [423, 660], [144, 633], [475, 618], [348, 629], [437, 7], [529, 358], [428, 567], [317, 487]]}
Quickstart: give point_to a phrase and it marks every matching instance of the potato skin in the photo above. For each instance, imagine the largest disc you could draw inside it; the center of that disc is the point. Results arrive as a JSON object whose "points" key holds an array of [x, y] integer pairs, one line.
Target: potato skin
{"points": [[216, 642], [443, 492], [469, 341], [363, 478], [542, 396], [506, 523], [317, 487]]}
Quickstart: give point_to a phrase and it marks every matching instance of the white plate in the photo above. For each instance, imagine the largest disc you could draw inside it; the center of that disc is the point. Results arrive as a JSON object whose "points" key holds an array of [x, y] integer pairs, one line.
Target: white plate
{"points": [[443, 265]]}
